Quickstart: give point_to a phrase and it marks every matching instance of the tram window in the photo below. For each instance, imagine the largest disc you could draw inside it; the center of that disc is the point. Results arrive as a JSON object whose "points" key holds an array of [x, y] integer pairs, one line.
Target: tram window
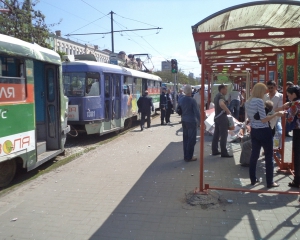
{"points": [[74, 84], [117, 79], [138, 87], [150, 85], [129, 84], [107, 86], [92, 84], [12, 79], [50, 82]]}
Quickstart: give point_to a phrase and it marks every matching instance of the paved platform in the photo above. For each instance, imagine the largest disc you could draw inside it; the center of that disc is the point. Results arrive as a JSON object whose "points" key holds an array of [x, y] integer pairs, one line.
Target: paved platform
{"points": [[135, 187]]}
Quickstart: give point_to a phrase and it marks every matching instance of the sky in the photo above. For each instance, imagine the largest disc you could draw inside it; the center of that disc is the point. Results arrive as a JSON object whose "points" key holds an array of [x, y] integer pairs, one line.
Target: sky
{"points": [[175, 17]]}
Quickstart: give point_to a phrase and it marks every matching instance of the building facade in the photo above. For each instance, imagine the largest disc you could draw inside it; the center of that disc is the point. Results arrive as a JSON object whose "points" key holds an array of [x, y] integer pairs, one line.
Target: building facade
{"points": [[74, 48], [191, 75]]}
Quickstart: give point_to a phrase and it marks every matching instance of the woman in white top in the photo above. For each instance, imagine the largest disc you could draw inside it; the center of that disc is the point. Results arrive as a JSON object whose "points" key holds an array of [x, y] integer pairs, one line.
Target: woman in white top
{"points": [[261, 134]]}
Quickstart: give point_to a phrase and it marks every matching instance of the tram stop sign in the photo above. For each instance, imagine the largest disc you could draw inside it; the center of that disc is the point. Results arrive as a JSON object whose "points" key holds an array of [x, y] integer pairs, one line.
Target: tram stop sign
{"points": [[113, 58]]}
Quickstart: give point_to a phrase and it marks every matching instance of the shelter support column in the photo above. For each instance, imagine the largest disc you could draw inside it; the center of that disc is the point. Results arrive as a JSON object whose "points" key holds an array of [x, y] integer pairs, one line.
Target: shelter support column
{"points": [[275, 71], [255, 76], [267, 74], [201, 157], [296, 66], [283, 166]]}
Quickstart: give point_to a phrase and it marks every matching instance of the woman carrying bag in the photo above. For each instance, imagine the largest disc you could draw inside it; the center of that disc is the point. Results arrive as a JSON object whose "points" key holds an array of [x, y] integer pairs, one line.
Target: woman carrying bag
{"points": [[293, 117], [261, 134]]}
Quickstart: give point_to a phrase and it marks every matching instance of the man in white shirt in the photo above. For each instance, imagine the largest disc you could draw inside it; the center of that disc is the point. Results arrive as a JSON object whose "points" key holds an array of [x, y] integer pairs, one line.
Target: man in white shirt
{"points": [[197, 97], [277, 99], [235, 99]]}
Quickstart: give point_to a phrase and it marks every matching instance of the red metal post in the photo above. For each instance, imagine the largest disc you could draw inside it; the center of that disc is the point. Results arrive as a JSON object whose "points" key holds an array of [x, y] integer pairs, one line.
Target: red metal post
{"points": [[284, 80], [267, 72], [201, 187], [276, 72], [296, 66]]}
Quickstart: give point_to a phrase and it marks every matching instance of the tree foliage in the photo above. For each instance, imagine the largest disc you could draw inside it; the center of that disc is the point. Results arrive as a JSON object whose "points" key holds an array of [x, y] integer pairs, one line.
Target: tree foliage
{"points": [[24, 22], [182, 78], [61, 54]]}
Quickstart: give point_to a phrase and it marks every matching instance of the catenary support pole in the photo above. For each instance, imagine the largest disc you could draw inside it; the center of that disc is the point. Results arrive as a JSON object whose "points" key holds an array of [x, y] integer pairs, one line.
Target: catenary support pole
{"points": [[112, 31]]}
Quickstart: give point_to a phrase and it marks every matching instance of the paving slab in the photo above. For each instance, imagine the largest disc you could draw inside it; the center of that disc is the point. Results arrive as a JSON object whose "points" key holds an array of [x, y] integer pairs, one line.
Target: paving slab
{"points": [[135, 188]]}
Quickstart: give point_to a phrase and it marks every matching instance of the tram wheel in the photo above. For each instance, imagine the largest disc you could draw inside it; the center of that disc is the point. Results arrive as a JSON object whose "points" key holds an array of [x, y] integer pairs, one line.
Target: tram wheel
{"points": [[7, 172]]}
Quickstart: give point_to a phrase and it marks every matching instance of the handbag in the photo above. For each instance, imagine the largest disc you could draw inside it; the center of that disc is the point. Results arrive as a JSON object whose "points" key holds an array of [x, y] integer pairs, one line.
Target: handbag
{"points": [[179, 110]]}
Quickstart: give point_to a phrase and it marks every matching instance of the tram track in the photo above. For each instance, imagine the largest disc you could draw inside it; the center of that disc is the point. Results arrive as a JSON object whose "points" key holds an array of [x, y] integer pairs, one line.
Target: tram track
{"points": [[74, 148]]}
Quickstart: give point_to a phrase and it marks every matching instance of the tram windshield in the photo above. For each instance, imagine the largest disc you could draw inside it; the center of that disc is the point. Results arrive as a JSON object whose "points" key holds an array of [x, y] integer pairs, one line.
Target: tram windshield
{"points": [[81, 84]]}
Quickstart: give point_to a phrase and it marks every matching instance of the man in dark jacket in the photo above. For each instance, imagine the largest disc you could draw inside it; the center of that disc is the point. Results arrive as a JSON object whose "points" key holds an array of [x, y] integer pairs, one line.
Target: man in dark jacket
{"points": [[145, 105], [190, 120], [169, 106], [163, 105]]}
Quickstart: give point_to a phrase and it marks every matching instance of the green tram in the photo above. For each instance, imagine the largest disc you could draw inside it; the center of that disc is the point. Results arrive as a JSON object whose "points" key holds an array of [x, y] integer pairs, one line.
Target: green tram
{"points": [[33, 108]]}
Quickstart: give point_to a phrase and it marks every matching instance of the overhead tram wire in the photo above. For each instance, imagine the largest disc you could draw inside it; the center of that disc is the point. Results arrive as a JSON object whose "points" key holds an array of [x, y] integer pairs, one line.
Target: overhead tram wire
{"points": [[146, 42], [135, 20], [130, 37], [93, 7], [70, 13], [126, 28], [87, 25], [121, 24]]}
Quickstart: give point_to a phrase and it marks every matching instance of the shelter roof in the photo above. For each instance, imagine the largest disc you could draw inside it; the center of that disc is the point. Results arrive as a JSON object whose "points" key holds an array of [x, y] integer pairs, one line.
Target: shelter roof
{"points": [[252, 16]]}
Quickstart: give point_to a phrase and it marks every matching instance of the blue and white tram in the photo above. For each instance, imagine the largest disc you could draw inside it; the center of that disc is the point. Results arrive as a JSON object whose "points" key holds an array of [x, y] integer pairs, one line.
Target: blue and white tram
{"points": [[102, 96]]}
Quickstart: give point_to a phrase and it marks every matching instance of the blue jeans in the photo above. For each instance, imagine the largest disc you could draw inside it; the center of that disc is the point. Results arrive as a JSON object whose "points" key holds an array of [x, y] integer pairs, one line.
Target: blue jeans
{"points": [[262, 137], [189, 139], [278, 129], [234, 108]]}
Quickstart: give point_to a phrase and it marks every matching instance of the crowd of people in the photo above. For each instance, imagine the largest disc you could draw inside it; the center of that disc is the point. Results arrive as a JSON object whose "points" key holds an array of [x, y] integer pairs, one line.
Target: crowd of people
{"points": [[265, 109]]}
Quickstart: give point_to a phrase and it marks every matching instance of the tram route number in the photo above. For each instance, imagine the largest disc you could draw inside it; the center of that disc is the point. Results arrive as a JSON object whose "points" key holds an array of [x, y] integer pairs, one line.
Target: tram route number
{"points": [[91, 114]]}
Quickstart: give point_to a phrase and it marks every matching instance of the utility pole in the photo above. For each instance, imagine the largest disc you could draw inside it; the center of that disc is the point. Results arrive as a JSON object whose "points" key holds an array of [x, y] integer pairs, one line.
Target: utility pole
{"points": [[175, 90], [112, 31]]}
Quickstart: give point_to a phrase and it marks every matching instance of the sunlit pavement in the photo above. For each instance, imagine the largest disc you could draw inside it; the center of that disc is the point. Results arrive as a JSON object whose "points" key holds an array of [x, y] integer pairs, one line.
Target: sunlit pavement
{"points": [[134, 188]]}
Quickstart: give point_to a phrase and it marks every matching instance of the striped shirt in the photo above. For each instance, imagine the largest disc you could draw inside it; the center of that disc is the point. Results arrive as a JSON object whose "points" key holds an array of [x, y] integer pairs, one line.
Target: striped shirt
{"points": [[252, 107]]}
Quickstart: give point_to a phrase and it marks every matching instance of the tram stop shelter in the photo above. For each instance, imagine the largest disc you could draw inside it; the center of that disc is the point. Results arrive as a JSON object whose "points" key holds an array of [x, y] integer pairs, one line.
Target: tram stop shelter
{"points": [[244, 42]]}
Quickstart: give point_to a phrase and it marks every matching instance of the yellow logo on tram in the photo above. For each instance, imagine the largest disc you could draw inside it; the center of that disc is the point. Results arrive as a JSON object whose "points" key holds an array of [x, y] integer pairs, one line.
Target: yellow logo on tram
{"points": [[8, 146]]}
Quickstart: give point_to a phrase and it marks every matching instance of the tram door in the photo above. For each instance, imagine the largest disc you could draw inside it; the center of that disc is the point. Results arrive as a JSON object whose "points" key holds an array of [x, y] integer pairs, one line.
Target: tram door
{"points": [[52, 108], [117, 101], [144, 86], [112, 101]]}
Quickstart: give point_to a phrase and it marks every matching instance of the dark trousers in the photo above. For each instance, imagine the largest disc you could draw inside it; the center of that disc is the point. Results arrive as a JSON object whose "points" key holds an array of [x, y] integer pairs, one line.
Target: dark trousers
{"points": [[296, 149], [262, 137], [287, 127], [221, 130], [168, 114], [162, 114], [234, 108], [189, 139], [143, 116]]}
